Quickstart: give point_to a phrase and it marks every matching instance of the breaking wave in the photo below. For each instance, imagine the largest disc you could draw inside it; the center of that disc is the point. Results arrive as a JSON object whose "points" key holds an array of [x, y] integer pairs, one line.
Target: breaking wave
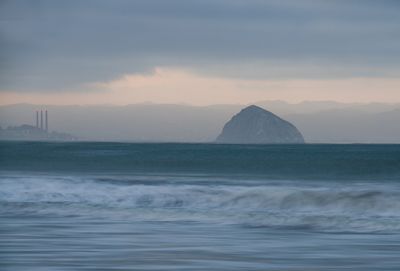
{"points": [[368, 207]]}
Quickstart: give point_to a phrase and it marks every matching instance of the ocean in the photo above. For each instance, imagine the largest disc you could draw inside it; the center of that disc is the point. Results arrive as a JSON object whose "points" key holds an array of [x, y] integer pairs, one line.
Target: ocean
{"points": [[128, 206]]}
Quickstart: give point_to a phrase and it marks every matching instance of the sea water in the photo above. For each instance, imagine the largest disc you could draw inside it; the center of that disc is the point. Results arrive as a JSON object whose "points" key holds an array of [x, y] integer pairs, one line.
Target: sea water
{"points": [[122, 206]]}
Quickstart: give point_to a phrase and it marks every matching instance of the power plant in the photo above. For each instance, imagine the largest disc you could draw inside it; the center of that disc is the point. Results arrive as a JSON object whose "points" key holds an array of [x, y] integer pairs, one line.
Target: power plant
{"points": [[38, 132], [42, 123]]}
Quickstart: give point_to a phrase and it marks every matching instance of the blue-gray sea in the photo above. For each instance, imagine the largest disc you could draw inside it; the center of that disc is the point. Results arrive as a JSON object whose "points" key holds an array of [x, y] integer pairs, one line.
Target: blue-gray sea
{"points": [[123, 206]]}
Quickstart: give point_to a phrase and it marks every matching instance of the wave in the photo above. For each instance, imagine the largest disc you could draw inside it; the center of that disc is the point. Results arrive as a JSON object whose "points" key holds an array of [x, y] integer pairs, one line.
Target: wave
{"points": [[367, 207]]}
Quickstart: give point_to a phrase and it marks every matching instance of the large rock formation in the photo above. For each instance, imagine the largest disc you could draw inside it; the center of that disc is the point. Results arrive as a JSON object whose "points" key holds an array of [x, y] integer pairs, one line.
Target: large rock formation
{"points": [[254, 125]]}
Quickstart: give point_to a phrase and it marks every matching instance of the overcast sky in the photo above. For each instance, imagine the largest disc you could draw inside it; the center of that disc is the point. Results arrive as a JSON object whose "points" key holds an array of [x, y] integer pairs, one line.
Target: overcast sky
{"points": [[199, 52]]}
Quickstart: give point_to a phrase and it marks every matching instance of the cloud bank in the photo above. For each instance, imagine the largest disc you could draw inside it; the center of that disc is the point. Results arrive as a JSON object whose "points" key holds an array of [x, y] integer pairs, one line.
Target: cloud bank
{"points": [[175, 86], [61, 46]]}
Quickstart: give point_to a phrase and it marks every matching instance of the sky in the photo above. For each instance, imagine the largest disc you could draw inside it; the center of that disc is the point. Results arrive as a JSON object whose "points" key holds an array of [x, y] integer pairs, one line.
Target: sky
{"points": [[199, 52]]}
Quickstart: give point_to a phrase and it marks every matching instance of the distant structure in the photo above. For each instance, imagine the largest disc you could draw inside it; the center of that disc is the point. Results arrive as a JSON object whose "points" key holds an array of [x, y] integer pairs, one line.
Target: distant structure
{"points": [[37, 133], [47, 123], [41, 119], [37, 119], [44, 125]]}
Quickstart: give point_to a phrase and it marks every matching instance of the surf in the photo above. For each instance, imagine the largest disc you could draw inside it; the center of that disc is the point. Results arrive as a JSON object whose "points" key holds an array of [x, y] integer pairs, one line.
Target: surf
{"points": [[355, 207]]}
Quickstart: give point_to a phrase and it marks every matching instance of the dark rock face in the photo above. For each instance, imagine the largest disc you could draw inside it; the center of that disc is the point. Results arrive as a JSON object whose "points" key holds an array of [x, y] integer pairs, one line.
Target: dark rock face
{"points": [[254, 125]]}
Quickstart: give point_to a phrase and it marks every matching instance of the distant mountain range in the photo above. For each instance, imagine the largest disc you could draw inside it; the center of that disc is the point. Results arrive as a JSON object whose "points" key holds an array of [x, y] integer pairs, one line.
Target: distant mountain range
{"points": [[319, 122]]}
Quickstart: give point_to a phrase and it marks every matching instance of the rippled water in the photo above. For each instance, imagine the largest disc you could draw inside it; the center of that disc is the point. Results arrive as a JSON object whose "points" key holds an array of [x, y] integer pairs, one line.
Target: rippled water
{"points": [[59, 211]]}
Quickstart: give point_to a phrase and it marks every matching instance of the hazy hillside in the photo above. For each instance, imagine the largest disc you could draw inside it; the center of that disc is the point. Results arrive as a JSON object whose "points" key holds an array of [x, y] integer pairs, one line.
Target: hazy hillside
{"points": [[142, 122], [318, 121], [349, 126]]}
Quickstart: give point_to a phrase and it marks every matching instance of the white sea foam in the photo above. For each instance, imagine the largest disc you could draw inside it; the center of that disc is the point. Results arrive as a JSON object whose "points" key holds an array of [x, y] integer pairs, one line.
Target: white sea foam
{"points": [[344, 207]]}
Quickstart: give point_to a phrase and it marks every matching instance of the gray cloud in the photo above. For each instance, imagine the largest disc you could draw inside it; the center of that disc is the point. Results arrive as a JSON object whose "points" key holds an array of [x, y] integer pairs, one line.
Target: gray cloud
{"points": [[58, 45]]}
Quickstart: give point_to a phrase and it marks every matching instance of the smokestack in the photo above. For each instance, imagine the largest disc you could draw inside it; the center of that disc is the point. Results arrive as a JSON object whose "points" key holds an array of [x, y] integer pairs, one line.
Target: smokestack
{"points": [[47, 123], [41, 119], [37, 119]]}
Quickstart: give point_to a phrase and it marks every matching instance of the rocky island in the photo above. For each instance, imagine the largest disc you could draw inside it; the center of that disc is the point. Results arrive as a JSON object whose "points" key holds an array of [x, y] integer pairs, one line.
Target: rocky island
{"points": [[255, 125]]}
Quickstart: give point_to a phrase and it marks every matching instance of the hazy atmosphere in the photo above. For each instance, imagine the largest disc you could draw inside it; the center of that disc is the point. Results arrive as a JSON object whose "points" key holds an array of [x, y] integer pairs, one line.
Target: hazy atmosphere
{"points": [[330, 67], [319, 122]]}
